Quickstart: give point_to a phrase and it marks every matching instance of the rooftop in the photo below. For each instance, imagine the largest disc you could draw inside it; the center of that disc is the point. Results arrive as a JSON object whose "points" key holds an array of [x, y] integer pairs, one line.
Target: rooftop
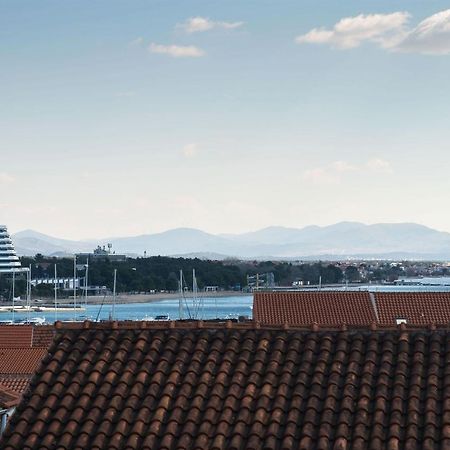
{"points": [[333, 308], [21, 349], [202, 385], [330, 308], [8, 398], [420, 308]]}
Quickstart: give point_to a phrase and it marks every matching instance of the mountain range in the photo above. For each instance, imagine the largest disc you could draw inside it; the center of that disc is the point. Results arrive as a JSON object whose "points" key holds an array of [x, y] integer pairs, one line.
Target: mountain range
{"points": [[338, 241]]}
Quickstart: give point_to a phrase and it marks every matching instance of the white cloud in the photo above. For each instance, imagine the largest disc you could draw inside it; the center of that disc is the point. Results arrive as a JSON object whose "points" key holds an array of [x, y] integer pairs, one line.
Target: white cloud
{"points": [[335, 171], [390, 31], [431, 36], [6, 178], [190, 150], [200, 24], [350, 32], [177, 51]]}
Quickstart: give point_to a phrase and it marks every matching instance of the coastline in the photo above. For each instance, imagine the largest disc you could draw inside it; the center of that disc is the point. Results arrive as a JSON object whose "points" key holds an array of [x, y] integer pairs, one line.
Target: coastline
{"points": [[130, 298], [159, 296]]}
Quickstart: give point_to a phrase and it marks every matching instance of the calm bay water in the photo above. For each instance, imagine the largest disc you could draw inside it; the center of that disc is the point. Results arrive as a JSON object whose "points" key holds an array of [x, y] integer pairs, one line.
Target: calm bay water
{"points": [[220, 307]]}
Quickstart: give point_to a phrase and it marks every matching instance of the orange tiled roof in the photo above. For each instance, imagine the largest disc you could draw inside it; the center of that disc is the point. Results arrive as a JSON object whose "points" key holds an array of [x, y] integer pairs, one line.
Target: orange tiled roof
{"points": [[20, 360], [17, 383], [15, 336], [22, 336], [21, 349], [331, 308], [202, 386], [42, 335], [418, 308]]}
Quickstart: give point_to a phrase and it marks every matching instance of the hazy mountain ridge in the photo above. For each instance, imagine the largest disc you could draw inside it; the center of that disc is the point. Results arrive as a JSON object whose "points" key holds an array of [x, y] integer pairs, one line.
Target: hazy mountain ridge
{"points": [[344, 239]]}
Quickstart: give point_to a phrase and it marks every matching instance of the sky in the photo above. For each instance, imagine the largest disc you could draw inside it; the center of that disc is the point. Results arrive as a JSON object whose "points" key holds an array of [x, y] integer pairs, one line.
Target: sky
{"points": [[120, 118]]}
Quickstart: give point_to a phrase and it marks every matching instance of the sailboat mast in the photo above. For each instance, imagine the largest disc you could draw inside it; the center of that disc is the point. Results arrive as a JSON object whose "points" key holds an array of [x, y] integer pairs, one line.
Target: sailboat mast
{"points": [[114, 295], [56, 295], [75, 285], [28, 293], [86, 285], [180, 302]]}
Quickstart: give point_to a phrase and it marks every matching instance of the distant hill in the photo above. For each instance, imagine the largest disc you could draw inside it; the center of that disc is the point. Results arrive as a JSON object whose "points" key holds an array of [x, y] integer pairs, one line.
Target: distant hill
{"points": [[30, 242], [341, 240]]}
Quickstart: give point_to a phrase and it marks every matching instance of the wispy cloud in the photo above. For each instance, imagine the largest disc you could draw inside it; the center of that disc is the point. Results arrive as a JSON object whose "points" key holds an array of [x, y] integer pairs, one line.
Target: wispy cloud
{"points": [[6, 178], [190, 150], [389, 31], [379, 165], [137, 42], [201, 24], [334, 172], [329, 174], [177, 51]]}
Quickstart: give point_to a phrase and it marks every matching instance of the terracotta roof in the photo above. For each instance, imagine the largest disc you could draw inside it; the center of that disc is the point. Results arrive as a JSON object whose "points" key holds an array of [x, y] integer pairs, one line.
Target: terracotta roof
{"points": [[42, 335], [20, 360], [418, 308], [15, 336], [22, 336], [17, 383], [304, 308], [21, 350], [8, 398], [202, 386]]}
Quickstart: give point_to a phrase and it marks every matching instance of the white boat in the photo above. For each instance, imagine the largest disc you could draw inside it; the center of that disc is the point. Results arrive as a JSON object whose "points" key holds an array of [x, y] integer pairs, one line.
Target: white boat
{"points": [[161, 318]]}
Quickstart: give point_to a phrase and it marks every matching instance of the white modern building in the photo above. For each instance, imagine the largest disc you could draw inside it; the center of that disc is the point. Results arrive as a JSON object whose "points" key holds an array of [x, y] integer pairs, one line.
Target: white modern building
{"points": [[9, 261]]}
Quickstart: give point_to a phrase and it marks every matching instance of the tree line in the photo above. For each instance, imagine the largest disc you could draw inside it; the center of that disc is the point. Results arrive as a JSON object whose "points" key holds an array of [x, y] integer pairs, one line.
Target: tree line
{"points": [[160, 273]]}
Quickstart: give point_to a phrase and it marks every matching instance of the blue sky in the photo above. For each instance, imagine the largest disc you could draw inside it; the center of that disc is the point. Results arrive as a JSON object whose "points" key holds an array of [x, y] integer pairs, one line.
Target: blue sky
{"points": [[120, 117]]}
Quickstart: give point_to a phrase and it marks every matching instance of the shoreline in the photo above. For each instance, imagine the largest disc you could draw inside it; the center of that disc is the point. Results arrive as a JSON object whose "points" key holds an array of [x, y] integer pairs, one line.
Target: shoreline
{"points": [[127, 298]]}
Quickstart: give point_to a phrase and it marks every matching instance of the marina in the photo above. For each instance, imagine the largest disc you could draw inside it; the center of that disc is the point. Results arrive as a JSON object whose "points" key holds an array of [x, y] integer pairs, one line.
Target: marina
{"points": [[214, 308]]}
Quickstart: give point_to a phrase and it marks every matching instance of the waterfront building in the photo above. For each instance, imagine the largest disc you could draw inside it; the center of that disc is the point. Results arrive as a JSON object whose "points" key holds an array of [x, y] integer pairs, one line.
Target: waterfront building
{"points": [[9, 261], [102, 253]]}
